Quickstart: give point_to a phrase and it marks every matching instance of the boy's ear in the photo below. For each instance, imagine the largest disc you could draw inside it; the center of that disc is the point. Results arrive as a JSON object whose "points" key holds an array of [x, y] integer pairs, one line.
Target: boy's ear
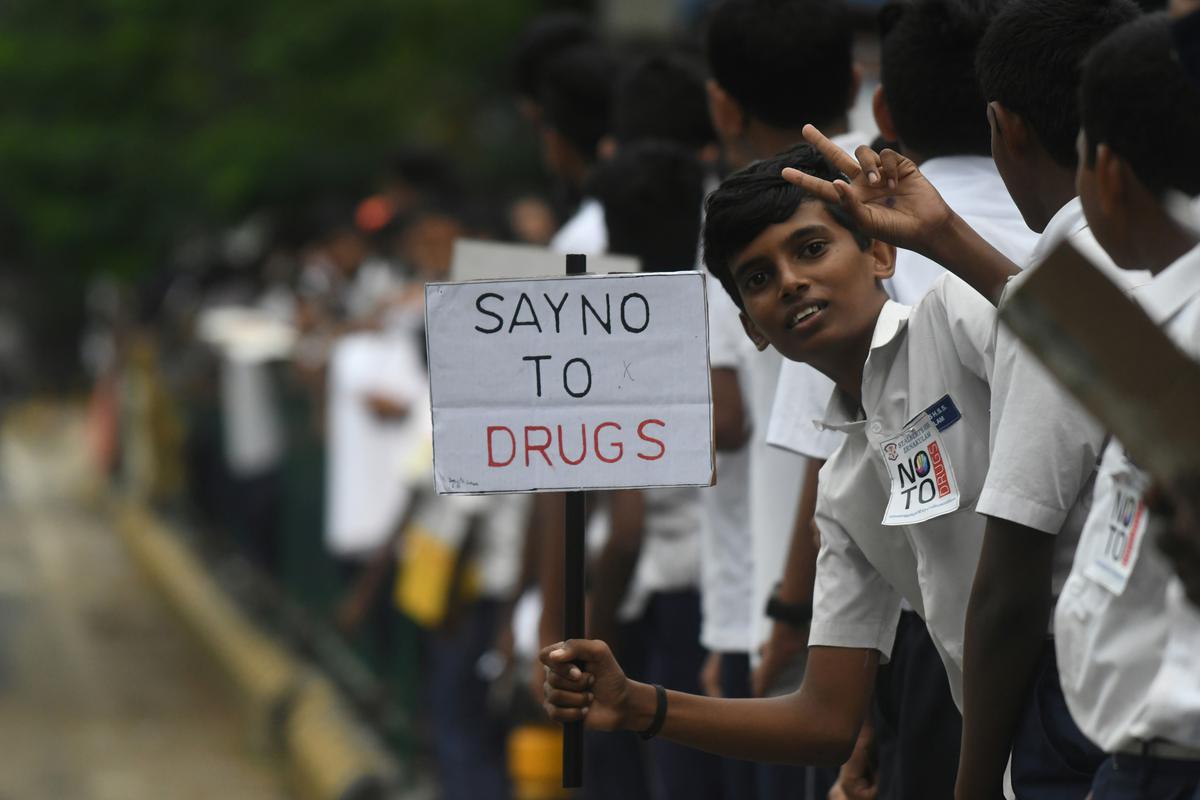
{"points": [[606, 148], [1008, 127], [884, 259], [883, 116], [1112, 176], [753, 332], [728, 118]]}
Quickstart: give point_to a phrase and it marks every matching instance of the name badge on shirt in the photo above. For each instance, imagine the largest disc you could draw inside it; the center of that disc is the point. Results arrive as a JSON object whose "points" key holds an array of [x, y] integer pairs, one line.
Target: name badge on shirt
{"points": [[1116, 553], [923, 482]]}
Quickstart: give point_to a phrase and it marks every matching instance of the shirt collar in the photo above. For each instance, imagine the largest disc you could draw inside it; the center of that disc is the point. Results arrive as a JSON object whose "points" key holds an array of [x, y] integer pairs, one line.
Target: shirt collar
{"points": [[842, 414], [1171, 289], [1066, 222]]}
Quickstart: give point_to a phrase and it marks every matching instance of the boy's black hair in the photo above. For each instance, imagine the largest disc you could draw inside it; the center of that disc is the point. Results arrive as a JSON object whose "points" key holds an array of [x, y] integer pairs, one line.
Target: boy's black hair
{"points": [[662, 97], [756, 197], [544, 38], [927, 69], [652, 192], [1137, 98], [576, 92], [785, 62], [1030, 61]]}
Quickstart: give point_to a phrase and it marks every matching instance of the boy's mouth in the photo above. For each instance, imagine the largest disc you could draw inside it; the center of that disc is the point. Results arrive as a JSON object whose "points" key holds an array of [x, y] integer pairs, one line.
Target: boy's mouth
{"points": [[805, 314]]}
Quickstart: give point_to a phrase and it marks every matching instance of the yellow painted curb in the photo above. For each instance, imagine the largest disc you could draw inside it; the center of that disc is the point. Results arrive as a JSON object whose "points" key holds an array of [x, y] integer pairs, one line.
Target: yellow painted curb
{"points": [[290, 708]]}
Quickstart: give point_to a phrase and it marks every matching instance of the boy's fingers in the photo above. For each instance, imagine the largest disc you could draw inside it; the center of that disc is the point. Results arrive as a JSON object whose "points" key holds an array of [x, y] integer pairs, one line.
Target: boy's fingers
{"points": [[564, 714], [870, 162], [556, 681], [815, 186], [563, 699], [836, 155], [890, 160]]}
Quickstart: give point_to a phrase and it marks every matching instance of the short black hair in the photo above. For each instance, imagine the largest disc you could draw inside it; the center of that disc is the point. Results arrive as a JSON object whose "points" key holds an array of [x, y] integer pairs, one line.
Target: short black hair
{"points": [[652, 193], [1030, 61], [785, 62], [576, 92], [544, 38], [1136, 97], [756, 197], [662, 97], [927, 69]]}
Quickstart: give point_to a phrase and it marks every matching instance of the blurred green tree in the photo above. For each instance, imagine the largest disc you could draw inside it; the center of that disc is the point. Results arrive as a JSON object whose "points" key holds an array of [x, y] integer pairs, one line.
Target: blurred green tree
{"points": [[127, 123]]}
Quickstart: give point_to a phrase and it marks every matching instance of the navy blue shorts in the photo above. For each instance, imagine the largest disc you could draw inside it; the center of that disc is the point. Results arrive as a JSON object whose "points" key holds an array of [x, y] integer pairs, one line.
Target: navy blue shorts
{"points": [[1051, 758], [1123, 777]]}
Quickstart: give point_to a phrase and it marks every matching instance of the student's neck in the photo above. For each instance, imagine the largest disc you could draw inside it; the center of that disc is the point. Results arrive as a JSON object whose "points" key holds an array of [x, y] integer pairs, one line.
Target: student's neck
{"points": [[1056, 188], [1160, 240], [845, 367], [763, 141]]}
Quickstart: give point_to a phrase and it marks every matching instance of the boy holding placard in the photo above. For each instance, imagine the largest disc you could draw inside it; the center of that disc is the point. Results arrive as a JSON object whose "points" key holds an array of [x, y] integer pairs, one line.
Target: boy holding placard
{"points": [[810, 285]]}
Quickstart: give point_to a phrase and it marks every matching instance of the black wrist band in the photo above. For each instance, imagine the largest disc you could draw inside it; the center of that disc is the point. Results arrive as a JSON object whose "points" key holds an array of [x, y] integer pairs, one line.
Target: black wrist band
{"points": [[660, 714]]}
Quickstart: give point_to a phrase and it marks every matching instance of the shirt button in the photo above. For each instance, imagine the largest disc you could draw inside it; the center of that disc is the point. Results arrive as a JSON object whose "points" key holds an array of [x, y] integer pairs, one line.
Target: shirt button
{"points": [[876, 427]]}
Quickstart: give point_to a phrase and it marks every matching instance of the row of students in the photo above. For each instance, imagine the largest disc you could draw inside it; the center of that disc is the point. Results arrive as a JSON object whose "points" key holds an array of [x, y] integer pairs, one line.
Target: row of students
{"points": [[804, 243]]}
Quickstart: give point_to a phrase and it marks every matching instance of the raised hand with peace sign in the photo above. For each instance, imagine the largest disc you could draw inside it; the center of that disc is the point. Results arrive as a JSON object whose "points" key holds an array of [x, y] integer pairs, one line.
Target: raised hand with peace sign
{"points": [[890, 199]]}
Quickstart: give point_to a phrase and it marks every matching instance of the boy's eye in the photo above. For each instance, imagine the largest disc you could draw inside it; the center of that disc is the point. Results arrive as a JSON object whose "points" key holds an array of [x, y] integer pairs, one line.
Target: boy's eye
{"points": [[813, 248], [755, 279]]}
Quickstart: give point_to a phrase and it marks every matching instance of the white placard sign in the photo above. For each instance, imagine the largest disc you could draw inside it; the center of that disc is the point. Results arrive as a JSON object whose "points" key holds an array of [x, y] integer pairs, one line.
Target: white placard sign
{"points": [[479, 260], [588, 382]]}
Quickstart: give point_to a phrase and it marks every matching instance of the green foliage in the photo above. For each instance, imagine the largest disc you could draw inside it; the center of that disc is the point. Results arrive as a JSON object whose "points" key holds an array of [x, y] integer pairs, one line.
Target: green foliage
{"points": [[126, 123]]}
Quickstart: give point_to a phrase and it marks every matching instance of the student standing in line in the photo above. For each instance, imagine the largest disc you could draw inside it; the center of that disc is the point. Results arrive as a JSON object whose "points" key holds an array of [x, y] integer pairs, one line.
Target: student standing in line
{"points": [[1128, 641]]}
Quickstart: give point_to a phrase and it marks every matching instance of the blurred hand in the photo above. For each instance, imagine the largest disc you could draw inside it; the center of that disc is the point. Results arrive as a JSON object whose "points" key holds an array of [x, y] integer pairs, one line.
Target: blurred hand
{"points": [[710, 675], [385, 407], [887, 195], [782, 647], [857, 778], [598, 693], [1181, 8]]}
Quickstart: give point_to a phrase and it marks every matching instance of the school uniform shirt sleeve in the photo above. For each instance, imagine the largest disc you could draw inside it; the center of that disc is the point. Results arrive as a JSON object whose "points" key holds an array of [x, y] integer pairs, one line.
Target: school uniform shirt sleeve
{"points": [[1044, 445], [969, 320], [853, 606]]}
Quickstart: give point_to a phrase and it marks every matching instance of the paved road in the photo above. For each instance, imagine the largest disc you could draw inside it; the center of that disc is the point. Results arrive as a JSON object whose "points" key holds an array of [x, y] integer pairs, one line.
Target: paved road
{"points": [[102, 695]]}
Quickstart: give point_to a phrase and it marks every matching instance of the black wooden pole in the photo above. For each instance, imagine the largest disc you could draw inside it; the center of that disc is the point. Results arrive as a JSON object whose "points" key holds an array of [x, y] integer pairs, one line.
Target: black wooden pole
{"points": [[573, 597]]}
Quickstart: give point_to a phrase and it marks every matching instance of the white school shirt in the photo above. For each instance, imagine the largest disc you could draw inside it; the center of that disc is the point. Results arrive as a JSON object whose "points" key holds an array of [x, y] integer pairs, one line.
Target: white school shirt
{"points": [[1044, 445], [973, 188], [585, 232], [669, 560], [941, 347], [727, 564], [367, 473], [1112, 624]]}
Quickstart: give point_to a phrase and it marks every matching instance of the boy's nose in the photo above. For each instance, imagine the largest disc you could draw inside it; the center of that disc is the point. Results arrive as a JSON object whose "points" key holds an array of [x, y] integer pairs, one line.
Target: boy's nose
{"points": [[793, 280]]}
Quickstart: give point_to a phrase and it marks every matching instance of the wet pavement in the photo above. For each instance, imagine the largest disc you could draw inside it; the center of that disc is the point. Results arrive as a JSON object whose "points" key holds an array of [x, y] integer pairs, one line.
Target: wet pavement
{"points": [[103, 695]]}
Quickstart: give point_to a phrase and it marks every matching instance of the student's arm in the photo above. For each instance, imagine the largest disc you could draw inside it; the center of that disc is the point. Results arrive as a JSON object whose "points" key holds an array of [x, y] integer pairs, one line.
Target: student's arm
{"points": [[730, 430], [614, 567], [891, 200], [1007, 618], [787, 641], [816, 724]]}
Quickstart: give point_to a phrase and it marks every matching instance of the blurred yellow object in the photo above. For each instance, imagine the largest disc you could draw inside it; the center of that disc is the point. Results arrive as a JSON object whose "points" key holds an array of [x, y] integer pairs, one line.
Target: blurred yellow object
{"points": [[535, 762], [426, 576]]}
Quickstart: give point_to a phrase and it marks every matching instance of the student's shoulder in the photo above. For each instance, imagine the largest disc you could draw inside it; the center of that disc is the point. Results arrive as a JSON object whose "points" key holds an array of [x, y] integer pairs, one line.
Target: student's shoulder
{"points": [[952, 299]]}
